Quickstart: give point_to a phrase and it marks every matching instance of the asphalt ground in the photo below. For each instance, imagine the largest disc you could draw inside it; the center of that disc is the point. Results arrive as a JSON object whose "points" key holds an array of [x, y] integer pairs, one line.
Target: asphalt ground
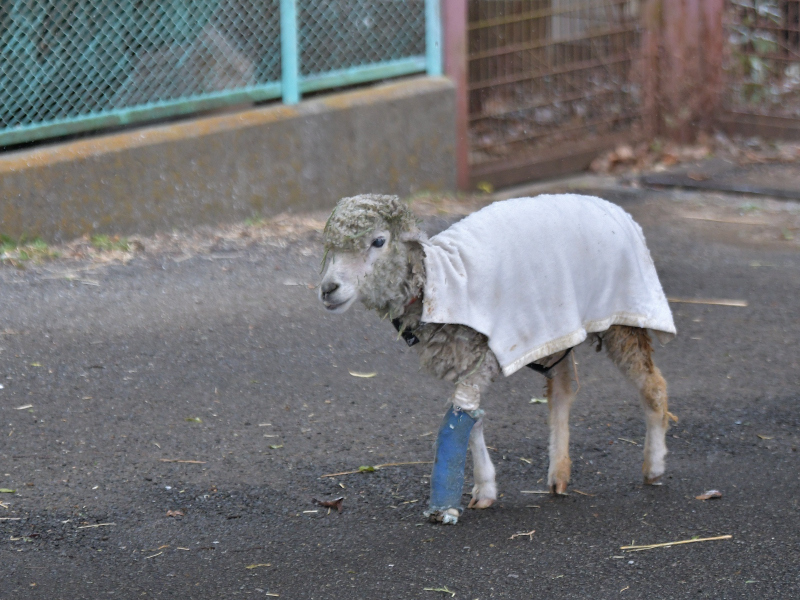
{"points": [[112, 373]]}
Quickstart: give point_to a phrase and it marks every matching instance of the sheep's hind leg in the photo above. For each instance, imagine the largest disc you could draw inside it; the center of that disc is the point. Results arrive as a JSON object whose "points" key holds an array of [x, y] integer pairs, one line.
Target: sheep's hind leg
{"points": [[631, 351], [484, 492], [559, 400]]}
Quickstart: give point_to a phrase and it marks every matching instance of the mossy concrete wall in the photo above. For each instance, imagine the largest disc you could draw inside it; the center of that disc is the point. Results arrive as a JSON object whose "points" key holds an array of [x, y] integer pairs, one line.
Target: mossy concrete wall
{"points": [[394, 138]]}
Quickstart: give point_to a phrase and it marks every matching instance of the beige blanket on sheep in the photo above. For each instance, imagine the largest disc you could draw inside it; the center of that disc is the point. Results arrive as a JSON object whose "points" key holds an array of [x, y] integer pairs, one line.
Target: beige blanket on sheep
{"points": [[537, 275]]}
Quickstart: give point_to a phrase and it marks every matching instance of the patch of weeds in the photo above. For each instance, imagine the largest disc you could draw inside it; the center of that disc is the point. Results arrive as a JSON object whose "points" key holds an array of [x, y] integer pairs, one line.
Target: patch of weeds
{"points": [[109, 243], [255, 221], [748, 208], [18, 252]]}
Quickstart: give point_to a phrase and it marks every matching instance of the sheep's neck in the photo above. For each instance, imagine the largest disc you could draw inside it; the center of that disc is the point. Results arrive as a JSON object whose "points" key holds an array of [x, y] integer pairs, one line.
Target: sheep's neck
{"points": [[411, 314]]}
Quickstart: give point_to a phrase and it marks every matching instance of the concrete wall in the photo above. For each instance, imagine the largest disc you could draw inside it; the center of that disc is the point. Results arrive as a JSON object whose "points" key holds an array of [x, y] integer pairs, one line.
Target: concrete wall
{"points": [[396, 138]]}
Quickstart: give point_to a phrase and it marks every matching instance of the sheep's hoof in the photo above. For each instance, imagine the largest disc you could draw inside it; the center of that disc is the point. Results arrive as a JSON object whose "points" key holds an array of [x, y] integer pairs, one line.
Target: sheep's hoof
{"points": [[480, 503], [483, 495], [558, 489], [445, 517], [653, 480]]}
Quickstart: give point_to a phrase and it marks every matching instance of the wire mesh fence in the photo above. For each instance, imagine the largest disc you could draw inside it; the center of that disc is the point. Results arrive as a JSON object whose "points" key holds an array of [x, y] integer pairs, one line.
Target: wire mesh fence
{"points": [[550, 74], [73, 65], [340, 35], [763, 57]]}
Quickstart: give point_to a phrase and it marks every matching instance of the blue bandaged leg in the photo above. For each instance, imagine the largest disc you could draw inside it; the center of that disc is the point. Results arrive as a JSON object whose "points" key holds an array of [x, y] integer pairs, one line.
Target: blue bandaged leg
{"points": [[447, 479]]}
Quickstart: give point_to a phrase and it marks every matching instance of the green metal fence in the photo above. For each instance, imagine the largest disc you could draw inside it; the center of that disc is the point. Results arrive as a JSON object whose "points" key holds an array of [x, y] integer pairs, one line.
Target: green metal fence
{"points": [[68, 66]]}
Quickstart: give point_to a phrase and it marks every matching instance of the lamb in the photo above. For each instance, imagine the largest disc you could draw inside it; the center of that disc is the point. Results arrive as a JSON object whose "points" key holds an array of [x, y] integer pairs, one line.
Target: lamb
{"points": [[519, 283]]}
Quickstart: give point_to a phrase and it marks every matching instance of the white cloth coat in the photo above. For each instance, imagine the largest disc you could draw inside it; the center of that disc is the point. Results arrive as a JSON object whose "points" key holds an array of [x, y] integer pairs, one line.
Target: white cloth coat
{"points": [[537, 275]]}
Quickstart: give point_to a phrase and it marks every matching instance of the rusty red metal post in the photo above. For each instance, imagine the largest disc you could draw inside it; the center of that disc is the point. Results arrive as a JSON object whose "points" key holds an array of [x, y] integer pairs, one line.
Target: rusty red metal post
{"points": [[454, 17], [683, 47], [648, 66], [713, 43]]}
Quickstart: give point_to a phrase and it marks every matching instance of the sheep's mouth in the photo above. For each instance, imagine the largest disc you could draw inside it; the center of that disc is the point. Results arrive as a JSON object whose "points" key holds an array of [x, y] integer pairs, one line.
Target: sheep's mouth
{"points": [[336, 306]]}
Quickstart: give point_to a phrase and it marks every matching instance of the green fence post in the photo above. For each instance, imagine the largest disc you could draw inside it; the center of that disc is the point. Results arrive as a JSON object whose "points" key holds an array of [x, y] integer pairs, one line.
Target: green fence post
{"points": [[290, 72], [433, 37]]}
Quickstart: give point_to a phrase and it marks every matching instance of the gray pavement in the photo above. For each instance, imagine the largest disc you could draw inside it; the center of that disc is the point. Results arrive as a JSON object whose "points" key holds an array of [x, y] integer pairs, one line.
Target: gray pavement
{"points": [[225, 361]]}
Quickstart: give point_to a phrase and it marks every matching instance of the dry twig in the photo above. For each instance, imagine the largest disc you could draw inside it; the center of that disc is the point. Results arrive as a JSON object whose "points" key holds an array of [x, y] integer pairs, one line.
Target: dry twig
{"points": [[368, 469], [524, 533], [668, 544], [710, 301]]}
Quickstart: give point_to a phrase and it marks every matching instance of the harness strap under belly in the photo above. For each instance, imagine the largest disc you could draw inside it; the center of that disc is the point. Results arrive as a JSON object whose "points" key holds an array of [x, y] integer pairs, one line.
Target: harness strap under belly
{"points": [[548, 371]]}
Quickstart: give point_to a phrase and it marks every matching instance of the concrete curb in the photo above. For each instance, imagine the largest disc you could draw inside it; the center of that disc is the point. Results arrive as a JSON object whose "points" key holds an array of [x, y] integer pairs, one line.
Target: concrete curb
{"points": [[397, 137]]}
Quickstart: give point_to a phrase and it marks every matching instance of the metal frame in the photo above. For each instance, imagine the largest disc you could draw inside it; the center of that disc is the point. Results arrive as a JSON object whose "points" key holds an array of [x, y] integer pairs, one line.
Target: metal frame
{"points": [[533, 66]]}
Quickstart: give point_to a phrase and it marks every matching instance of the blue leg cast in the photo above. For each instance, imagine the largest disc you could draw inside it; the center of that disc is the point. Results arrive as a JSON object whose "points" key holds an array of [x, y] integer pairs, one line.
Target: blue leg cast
{"points": [[447, 479]]}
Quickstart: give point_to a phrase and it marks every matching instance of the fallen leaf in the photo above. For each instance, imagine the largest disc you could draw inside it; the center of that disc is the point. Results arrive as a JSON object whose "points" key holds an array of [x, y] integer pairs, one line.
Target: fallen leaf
{"points": [[363, 375], [36, 364], [766, 437], [175, 513], [7, 491], [710, 494], [366, 469], [335, 503], [194, 420], [441, 589], [275, 446], [538, 400]]}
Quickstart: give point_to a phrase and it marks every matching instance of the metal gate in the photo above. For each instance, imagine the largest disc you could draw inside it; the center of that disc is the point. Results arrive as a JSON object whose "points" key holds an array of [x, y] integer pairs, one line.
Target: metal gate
{"points": [[762, 67], [551, 84]]}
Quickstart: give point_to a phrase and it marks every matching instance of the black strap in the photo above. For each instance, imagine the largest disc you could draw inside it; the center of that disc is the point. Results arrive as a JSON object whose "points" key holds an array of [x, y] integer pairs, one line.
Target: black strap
{"points": [[548, 371], [407, 335]]}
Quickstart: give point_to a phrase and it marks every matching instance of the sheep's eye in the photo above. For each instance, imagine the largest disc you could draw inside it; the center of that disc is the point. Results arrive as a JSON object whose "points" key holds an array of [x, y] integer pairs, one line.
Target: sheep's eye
{"points": [[378, 242]]}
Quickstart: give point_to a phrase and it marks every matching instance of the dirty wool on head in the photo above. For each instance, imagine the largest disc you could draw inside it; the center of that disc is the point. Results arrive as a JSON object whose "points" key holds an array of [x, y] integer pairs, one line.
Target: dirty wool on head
{"points": [[354, 218]]}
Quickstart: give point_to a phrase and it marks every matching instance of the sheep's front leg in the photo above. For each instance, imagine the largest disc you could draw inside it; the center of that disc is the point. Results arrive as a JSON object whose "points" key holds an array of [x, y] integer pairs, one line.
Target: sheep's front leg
{"points": [[559, 400], [456, 433], [447, 478], [484, 492]]}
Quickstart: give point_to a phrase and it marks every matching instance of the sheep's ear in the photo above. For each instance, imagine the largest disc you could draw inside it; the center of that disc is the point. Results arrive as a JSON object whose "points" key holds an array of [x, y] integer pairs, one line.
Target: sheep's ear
{"points": [[415, 235]]}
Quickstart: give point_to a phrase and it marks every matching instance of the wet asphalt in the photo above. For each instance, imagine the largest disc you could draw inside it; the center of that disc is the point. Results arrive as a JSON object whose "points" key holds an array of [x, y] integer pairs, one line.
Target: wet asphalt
{"points": [[165, 427]]}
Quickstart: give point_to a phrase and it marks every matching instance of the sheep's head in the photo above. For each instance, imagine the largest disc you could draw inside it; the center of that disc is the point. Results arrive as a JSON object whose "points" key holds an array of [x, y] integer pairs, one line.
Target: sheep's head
{"points": [[367, 242]]}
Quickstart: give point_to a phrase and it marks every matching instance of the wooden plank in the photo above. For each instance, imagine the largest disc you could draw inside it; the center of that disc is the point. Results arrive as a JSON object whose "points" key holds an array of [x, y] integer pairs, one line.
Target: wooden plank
{"points": [[571, 158]]}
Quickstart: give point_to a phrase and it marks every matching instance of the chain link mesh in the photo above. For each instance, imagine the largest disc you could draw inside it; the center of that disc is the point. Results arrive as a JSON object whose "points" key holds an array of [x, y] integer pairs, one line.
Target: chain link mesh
{"points": [[340, 34], [763, 57], [62, 61]]}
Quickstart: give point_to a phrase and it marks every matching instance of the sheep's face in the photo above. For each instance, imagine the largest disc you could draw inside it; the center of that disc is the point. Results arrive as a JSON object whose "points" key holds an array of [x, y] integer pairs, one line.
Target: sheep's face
{"points": [[366, 254], [347, 271]]}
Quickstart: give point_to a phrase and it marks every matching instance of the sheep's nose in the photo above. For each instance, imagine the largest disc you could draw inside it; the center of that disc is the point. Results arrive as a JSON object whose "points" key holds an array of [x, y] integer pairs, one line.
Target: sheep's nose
{"points": [[329, 288]]}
